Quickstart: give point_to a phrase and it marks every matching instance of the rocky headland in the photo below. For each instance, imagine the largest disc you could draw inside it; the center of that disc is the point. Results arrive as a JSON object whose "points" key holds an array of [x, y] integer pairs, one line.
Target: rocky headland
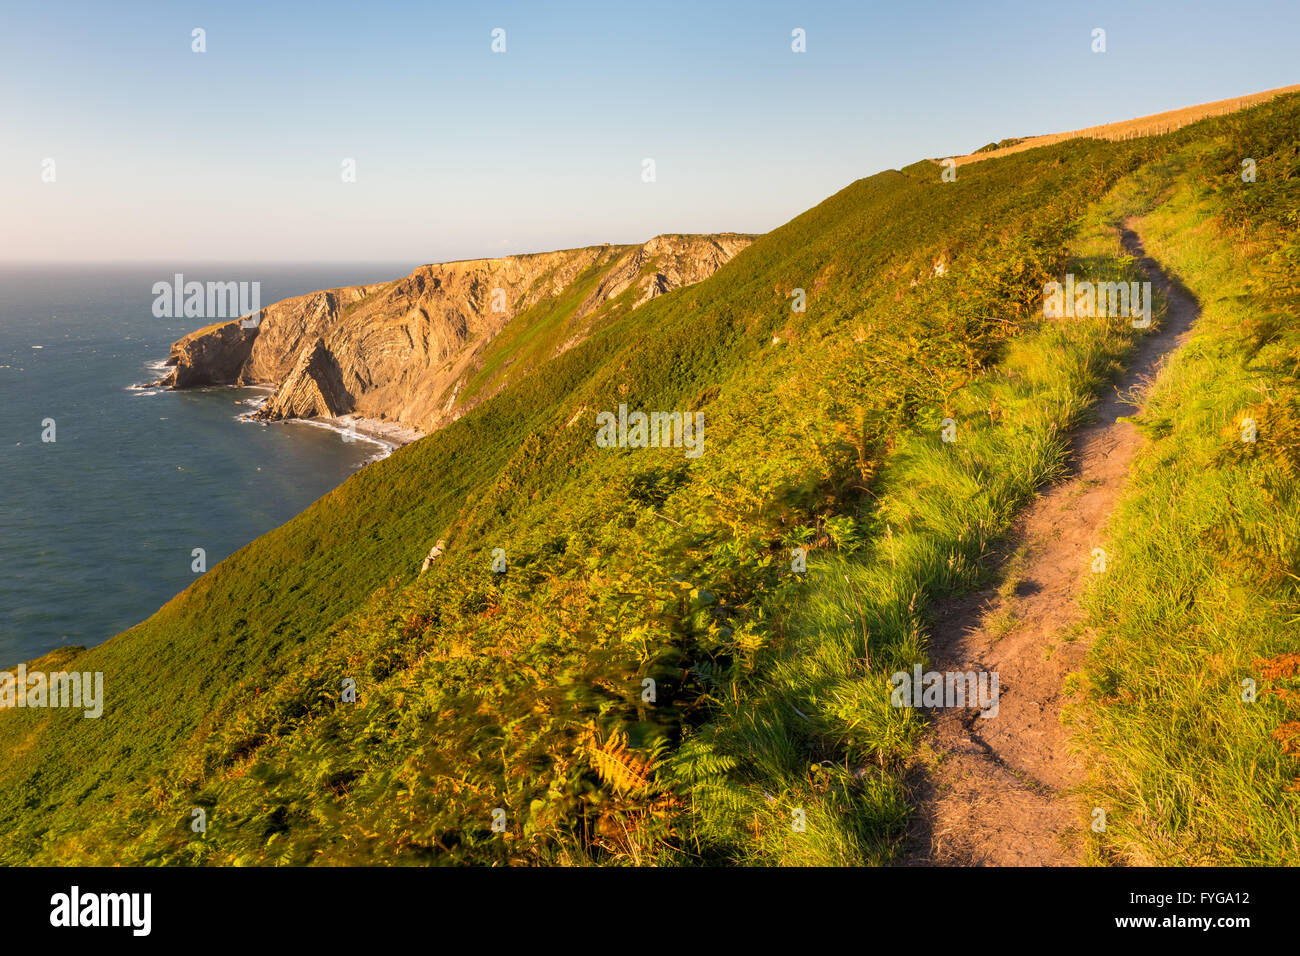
{"points": [[400, 353]]}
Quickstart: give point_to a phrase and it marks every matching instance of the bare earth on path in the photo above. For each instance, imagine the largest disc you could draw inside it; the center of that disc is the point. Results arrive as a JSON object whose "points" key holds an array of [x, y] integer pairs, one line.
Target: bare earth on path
{"points": [[998, 791]]}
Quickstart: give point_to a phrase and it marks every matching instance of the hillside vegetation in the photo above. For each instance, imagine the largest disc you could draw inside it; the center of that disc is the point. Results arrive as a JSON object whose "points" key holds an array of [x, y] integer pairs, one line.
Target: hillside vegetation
{"points": [[767, 735]]}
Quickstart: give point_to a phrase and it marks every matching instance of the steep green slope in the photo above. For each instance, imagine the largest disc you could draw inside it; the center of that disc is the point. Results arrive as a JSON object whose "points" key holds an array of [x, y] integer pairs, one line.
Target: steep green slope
{"points": [[522, 697]]}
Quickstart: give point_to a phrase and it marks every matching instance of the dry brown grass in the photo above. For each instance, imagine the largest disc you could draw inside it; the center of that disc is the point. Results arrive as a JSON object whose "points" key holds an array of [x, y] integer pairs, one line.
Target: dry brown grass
{"points": [[1152, 125]]}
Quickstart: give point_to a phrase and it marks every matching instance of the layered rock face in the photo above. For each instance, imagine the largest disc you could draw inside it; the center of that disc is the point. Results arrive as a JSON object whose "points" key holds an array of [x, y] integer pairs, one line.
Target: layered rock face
{"points": [[402, 350], [314, 387]]}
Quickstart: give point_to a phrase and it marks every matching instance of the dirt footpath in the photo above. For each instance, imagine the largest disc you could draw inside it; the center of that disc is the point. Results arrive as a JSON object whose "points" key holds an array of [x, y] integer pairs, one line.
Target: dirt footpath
{"points": [[998, 791]]}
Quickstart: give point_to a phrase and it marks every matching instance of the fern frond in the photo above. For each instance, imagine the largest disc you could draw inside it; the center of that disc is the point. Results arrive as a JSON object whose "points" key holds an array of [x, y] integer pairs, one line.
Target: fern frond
{"points": [[627, 770]]}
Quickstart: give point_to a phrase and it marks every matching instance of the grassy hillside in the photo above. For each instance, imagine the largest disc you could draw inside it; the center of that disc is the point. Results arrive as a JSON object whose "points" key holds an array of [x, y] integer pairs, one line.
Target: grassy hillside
{"points": [[522, 696]]}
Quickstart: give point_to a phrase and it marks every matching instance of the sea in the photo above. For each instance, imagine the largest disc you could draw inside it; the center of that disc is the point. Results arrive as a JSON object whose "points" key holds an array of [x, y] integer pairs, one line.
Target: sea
{"points": [[99, 526]]}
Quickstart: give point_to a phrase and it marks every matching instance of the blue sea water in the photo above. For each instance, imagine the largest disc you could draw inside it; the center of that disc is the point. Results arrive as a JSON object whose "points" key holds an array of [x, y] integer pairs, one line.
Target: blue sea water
{"points": [[97, 528]]}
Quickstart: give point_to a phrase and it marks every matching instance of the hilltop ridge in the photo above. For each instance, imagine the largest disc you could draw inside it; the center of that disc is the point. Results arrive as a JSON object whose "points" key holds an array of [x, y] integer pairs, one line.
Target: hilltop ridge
{"points": [[1151, 125]]}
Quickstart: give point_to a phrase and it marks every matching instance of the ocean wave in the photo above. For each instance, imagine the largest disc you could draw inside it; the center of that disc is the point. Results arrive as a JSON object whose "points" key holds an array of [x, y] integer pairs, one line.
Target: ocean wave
{"points": [[387, 446]]}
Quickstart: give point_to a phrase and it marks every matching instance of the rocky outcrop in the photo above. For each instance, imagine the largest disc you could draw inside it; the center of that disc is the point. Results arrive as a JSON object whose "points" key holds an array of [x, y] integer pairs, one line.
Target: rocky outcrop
{"points": [[670, 261], [212, 356], [404, 350], [313, 388]]}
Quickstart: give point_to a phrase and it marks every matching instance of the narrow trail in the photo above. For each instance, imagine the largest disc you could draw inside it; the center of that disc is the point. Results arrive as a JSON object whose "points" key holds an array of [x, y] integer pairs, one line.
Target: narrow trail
{"points": [[999, 791]]}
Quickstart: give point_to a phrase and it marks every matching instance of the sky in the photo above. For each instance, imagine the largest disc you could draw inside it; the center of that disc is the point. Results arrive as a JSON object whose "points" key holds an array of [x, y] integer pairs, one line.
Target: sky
{"points": [[163, 154]]}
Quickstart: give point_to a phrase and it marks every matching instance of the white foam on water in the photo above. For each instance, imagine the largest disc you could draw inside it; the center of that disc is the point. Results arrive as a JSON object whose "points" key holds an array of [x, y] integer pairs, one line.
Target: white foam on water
{"points": [[387, 447]]}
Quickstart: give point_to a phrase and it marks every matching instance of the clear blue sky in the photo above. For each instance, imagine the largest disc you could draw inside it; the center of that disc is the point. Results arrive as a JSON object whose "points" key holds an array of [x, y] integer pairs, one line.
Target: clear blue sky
{"points": [[235, 154]]}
